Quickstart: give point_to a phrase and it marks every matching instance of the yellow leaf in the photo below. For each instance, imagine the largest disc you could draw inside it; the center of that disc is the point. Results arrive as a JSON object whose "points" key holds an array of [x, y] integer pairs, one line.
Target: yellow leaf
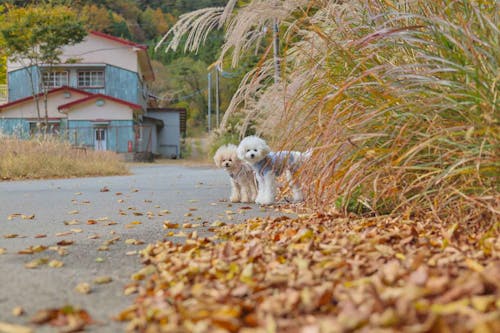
{"points": [[459, 306], [17, 311], [83, 288], [11, 328], [56, 264], [102, 279], [482, 303], [474, 265], [37, 262]]}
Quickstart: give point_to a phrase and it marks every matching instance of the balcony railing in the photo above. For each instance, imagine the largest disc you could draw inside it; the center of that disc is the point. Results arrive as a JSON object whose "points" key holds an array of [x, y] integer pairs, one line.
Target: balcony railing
{"points": [[3, 93]]}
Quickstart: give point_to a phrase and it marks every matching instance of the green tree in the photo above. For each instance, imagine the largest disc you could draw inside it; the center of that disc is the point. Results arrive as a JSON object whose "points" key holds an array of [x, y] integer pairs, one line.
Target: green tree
{"points": [[34, 35]]}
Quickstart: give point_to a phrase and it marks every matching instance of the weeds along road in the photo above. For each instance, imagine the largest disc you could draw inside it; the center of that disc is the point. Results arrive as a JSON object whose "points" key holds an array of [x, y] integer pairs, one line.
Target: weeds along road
{"points": [[94, 227]]}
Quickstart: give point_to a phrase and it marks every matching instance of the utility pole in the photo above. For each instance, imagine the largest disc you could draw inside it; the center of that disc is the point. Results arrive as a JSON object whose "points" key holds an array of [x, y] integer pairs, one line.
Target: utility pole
{"points": [[217, 104], [209, 100]]}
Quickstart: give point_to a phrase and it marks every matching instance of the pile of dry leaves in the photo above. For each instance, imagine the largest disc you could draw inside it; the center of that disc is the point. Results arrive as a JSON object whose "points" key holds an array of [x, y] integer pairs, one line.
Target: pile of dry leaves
{"points": [[320, 273]]}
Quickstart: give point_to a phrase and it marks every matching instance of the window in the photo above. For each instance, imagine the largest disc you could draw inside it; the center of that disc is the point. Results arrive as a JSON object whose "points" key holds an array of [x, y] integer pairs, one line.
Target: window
{"points": [[55, 79], [91, 79], [53, 128]]}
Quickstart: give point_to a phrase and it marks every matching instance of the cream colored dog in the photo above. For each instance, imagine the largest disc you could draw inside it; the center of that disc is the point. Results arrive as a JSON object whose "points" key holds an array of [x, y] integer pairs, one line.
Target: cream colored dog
{"points": [[243, 183]]}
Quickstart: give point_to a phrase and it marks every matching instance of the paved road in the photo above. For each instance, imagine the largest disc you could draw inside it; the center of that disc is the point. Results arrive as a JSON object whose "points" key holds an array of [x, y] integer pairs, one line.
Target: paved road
{"points": [[191, 194]]}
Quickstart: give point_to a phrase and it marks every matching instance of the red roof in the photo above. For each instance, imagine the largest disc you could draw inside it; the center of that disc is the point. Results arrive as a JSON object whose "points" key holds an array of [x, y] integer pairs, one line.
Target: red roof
{"points": [[118, 39], [95, 96], [30, 98]]}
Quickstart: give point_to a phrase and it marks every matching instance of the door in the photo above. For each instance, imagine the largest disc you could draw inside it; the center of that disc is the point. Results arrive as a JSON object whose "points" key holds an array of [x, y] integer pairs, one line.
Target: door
{"points": [[100, 138]]}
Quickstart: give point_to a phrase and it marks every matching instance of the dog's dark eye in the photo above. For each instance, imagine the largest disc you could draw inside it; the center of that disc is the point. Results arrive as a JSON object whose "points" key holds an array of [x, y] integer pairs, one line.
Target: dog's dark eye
{"points": [[248, 150], [230, 160]]}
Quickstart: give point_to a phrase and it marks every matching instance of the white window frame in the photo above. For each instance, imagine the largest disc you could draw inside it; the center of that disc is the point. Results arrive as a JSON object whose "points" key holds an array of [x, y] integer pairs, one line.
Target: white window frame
{"points": [[55, 78], [90, 78]]}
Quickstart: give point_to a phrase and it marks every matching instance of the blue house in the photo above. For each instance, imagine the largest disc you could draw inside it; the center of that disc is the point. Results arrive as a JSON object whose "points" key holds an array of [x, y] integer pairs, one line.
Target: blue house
{"points": [[97, 97]]}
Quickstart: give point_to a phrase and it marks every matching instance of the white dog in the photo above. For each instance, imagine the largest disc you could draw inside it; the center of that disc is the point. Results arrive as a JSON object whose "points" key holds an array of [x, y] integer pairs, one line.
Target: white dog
{"points": [[243, 184], [268, 165]]}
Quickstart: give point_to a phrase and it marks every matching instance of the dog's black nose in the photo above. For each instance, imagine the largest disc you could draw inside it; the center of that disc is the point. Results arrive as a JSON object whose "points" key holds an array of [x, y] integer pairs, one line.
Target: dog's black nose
{"points": [[252, 155]]}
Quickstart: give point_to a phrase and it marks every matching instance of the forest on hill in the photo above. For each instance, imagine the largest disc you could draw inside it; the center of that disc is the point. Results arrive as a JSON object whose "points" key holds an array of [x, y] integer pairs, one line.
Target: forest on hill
{"points": [[181, 77]]}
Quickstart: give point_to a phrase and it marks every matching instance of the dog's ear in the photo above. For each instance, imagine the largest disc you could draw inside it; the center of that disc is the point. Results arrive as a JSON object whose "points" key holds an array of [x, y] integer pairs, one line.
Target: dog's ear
{"points": [[265, 148], [240, 152], [217, 158]]}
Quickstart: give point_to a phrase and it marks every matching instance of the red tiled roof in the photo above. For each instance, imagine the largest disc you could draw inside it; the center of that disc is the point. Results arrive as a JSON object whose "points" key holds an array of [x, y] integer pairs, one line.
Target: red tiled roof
{"points": [[30, 98], [118, 39], [95, 96]]}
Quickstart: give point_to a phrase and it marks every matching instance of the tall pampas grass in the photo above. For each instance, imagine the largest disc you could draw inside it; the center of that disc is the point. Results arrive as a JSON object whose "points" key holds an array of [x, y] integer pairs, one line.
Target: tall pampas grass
{"points": [[399, 100]]}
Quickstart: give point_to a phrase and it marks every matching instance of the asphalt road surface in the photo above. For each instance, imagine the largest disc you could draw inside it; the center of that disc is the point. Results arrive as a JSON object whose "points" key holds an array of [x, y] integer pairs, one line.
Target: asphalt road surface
{"points": [[104, 220]]}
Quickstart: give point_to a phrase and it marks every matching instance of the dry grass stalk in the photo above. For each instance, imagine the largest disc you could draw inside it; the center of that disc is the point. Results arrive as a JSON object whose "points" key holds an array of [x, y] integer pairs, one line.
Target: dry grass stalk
{"points": [[50, 158]]}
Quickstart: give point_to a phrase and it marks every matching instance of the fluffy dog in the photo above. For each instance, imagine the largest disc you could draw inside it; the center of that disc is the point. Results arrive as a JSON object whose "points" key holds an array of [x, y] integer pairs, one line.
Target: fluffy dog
{"points": [[243, 184], [268, 165]]}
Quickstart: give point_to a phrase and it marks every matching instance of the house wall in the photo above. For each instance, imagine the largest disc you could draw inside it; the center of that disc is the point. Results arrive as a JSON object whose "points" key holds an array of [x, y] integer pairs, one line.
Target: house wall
{"points": [[28, 108], [94, 49], [124, 84], [120, 83], [19, 83], [119, 133], [169, 136], [109, 111], [15, 126]]}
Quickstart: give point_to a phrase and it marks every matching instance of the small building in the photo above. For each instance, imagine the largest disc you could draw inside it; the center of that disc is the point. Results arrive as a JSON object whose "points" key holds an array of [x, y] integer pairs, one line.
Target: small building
{"points": [[97, 97]]}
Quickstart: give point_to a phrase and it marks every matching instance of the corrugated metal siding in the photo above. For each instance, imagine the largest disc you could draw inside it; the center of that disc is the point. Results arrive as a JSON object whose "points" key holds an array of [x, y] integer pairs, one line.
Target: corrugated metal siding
{"points": [[123, 84], [15, 126], [119, 133], [20, 83]]}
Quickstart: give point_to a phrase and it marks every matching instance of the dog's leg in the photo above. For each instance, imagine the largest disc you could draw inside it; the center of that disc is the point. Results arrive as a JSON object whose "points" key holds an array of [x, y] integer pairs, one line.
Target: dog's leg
{"points": [[253, 191], [235, 191], [296, 191], [244, 192], [260, 189], [267, 190]]}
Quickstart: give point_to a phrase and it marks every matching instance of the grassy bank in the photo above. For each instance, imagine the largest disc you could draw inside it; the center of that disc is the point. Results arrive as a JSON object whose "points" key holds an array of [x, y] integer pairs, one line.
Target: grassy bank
{"points": [[48, 158]]}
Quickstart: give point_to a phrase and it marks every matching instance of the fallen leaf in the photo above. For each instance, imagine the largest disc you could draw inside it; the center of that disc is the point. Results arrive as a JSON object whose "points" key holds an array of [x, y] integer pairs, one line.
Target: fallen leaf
{"points": [[73, 212], [3, 250], [132, 241], [28, 217], [37, 262], [170, 225], [11, 328], [56, 264], [65, 233], [65, 242], [33, 249], [83, 288], [40, 236], [11, 236], [17, 311], [102, 280]]}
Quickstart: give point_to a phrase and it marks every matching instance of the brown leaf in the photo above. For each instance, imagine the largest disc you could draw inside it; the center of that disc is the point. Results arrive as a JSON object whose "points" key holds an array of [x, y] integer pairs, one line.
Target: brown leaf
{"points": [[65, 242]]}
